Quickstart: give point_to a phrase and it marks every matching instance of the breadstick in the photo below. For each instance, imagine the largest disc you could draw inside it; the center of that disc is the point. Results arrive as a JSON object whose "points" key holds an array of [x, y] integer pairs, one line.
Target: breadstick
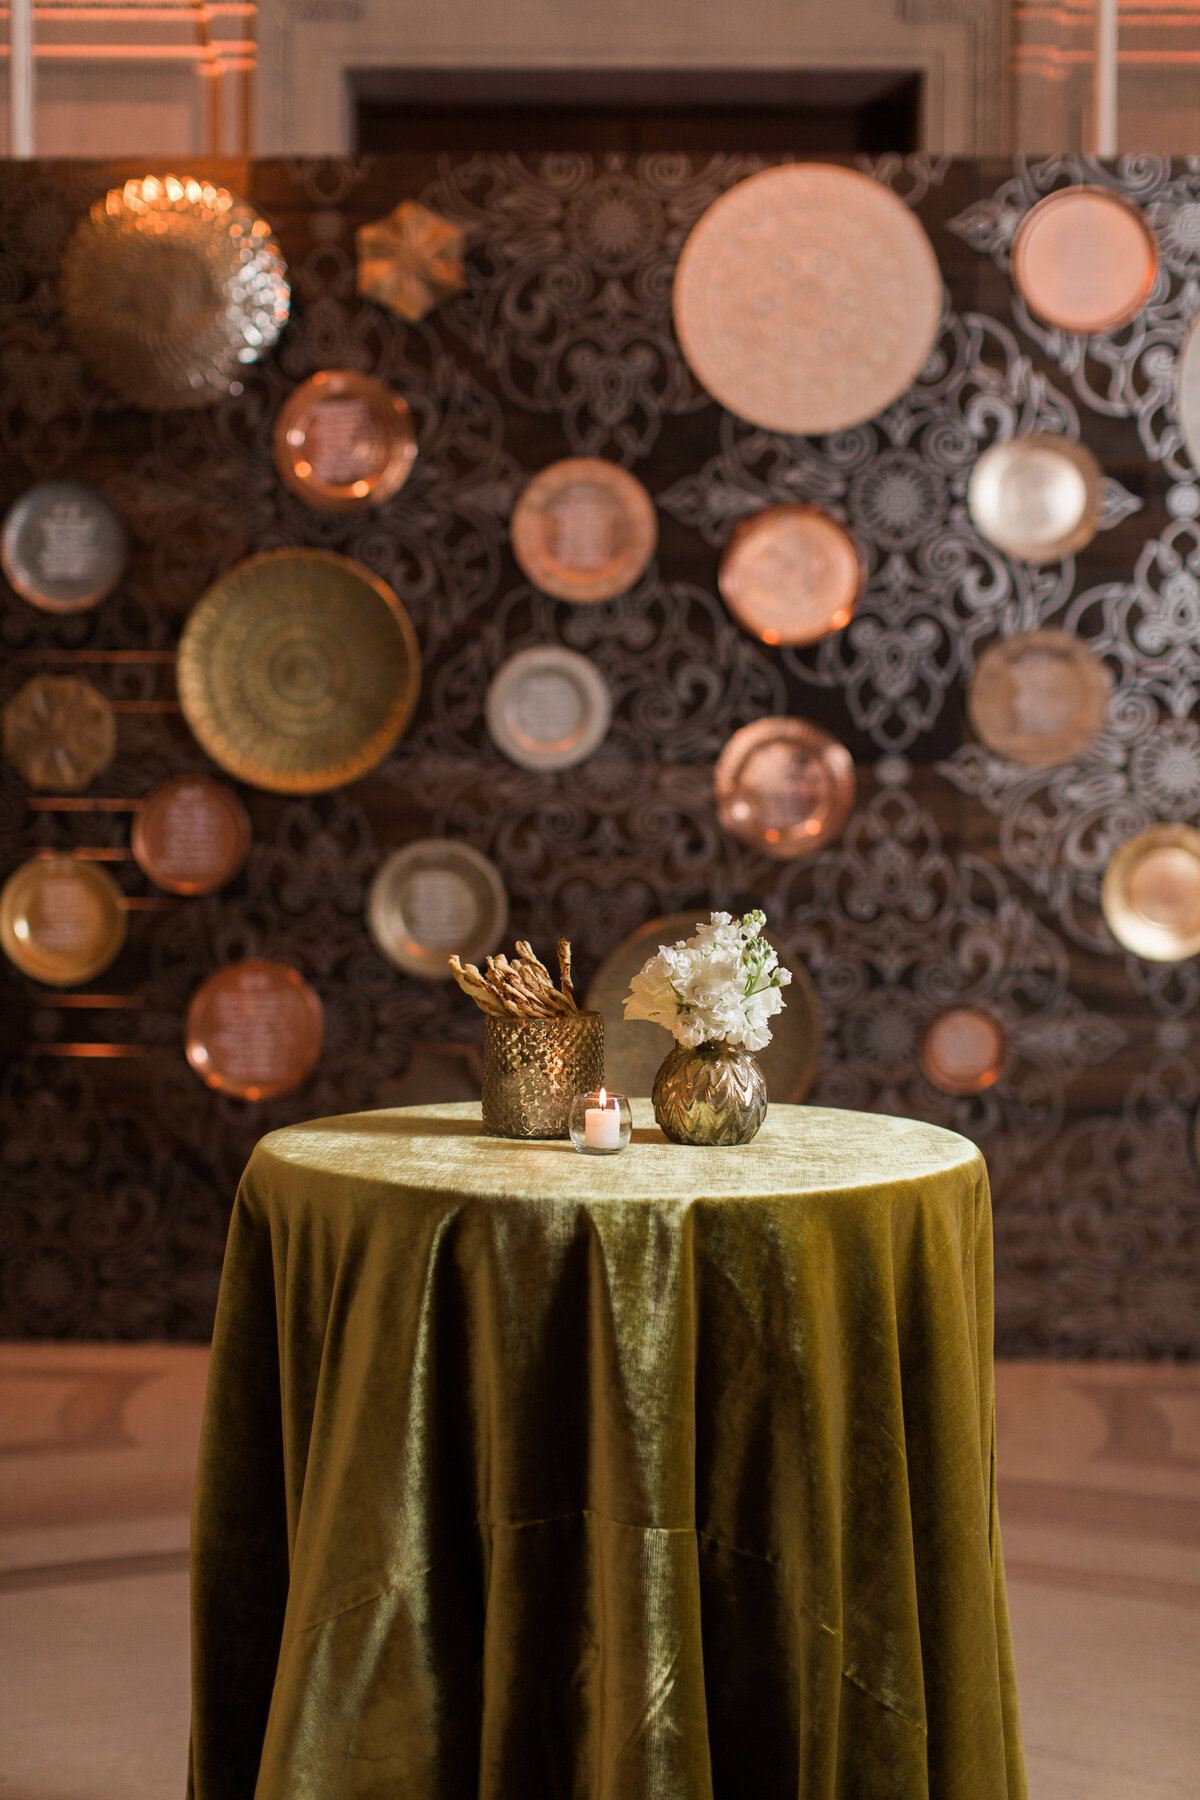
{"points": [[471, 982], [564, 965]]}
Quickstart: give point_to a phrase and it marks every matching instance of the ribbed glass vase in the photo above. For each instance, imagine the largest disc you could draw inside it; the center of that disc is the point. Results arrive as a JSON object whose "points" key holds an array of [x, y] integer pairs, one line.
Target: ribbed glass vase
{"points": [[714, 1094]]}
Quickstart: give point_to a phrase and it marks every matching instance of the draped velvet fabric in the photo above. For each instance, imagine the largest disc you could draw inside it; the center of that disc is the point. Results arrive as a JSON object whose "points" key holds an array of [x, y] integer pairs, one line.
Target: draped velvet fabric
{"points": [[669, 1475]]}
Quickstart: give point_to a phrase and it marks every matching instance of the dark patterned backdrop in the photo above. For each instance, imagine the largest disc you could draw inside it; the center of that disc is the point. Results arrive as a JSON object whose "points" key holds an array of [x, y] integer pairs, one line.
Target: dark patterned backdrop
{"points": [[960, 877]]}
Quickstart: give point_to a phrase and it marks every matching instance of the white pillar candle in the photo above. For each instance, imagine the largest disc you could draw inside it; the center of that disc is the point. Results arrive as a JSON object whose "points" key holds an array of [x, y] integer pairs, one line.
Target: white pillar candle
{"points": [[602, 1125]]}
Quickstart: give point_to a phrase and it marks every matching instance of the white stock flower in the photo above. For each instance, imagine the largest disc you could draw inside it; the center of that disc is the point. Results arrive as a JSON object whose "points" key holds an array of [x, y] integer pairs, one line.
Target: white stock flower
{"points": [[719, 986]]}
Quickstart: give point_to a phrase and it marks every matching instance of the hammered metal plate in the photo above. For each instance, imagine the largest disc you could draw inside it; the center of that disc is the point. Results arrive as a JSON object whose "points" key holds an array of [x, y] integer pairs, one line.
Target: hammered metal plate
{"points": [[191, 835], [1084, 259], [63, 547], [62, 919], [1037, 498], [298, 670], [1188, 392], [807, 298], [548, 708], [1040, 698], [634, 1048], [791, 575], [344, 442], [1150, 896], [964, 1050], [435, 899], [584, 529], [254, 1030], [170, 287], [59, 732], [784, 787]]}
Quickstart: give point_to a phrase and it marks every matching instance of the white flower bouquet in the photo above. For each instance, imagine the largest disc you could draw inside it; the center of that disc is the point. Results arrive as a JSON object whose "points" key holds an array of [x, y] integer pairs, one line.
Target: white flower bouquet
{"points": [[720, 986]]}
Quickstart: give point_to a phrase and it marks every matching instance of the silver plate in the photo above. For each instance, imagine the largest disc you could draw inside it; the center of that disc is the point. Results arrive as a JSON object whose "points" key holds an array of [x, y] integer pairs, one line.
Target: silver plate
{"points": [[1188, 392], [1037, 497], [63, 547], [435, 899], [548, 708]]}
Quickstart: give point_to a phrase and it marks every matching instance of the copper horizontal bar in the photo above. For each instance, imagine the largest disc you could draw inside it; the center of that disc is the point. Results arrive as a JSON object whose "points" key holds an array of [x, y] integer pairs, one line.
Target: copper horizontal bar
{"points": [[88, 1050], [145, 706], [108, 1002], [138, 903], [90, 853], [97, 656], [85, 805]]}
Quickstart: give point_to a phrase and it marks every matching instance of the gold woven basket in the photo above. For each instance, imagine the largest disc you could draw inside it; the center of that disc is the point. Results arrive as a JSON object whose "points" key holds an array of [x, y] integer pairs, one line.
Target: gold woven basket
{"points": [[533, 1068]]}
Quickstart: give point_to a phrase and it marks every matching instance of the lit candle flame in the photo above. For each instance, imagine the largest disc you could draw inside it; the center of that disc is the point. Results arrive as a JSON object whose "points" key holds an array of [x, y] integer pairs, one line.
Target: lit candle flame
{"points": [[603, 1099]]}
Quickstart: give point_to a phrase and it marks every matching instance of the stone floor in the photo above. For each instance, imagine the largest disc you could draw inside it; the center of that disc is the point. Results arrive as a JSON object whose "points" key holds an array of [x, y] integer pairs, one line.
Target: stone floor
{"points": [[1100, 1502]]}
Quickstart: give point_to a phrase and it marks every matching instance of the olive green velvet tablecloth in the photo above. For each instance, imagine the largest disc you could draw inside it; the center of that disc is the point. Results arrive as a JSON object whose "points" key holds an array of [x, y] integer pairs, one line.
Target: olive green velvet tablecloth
{"points": [[663, 1476]]}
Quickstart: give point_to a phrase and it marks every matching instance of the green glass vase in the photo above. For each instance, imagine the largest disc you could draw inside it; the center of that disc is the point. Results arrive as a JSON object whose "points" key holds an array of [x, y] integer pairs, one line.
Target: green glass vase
{"points": [[714, 1094]]}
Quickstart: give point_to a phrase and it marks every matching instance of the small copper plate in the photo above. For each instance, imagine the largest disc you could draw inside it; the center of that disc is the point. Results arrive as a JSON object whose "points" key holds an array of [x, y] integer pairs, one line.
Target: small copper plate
{"points": [[633, 1048], [791, 575], [964, 1050], [785, 787], [254, 1030], [63, 546], [1084, 259], [62, 920], [1037, 498], [435, 899], [1151, 893], [343, 441], [584, 529], [192, 835], [59, 732], [1039, 698], [1188, 392]]}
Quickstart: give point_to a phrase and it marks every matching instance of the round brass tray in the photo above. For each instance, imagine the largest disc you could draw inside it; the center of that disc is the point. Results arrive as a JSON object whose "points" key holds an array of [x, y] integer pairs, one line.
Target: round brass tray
{"points": [[435, 899], [784, 787], [343, 441], [1151, 893], [1037, 498], [59, 732], [584, 529], [298, 670], [1188, 392], [191, 835], [964, 1049], [1040, 698], [62, 920], [170, 287], [1084, 259], [254, 1029], [548, 708], [807, 298], [63, 547], [634, 1048], [791, 575]]}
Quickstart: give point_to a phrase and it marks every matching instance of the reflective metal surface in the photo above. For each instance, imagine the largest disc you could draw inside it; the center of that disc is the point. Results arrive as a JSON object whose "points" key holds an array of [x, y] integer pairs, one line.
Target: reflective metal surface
{"points": [[784, 787], [1037, 498], [1084, 259], [1040, 698], [584, 529], [964, 1050], [254, 1029], [343, 441], [409, 261], [1187, 392], [548, 708], [63, 547], [807, 298], [435, 899], [1151, 893], [192, 835], [791, 575], [533, 1069], [714, 1094], [62, 919], [59, 732], [298, 670]]}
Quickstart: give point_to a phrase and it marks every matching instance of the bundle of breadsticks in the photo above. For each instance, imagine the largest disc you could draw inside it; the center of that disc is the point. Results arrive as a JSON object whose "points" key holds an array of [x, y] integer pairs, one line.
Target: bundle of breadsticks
{"points": [[523, 987]]}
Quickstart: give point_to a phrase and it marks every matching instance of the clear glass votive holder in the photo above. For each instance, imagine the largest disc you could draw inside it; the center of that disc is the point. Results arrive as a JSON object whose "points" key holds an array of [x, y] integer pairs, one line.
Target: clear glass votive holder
{"points": [[600, 1124]]}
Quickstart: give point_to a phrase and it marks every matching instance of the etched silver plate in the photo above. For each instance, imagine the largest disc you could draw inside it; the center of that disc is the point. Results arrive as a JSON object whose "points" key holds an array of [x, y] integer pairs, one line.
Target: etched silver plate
{"points": [[63, 546], [548, 708], [435, 899]]}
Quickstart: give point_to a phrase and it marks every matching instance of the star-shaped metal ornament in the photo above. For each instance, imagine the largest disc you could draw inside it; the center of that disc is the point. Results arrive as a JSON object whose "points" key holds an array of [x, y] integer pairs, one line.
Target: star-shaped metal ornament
{"points": [[410, 261]]}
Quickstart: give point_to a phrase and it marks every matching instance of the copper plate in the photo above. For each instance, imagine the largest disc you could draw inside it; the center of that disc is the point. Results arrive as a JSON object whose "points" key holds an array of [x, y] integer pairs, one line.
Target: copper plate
{"points": [[584, 529], [170, 287], [1037, 498], [964, 1050], [1084, 259], [343, 441], [548, 708], [791, 575], [1188, 392], [434, 899], [785, 787], [63, 546], [59, 731], [254, 1029], [192, 835], [62, 920], [298, 670], [807, 298], [1039, 698], [1151, 893], [634, 1048]]}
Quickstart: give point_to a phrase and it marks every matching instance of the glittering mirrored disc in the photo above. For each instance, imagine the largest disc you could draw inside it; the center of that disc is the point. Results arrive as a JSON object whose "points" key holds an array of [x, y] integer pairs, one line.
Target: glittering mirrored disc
{"points": [[548, 708], [1151, 893], [254, 1029], [784, 787], [791, 575], [584, 529], [191, 835], [59, 732], [1085, 259], [62, 919], [1037, 498], [435, 899], [63, 547], [964, 1050], [1040, 698], [343, 441], [1188, 392]]}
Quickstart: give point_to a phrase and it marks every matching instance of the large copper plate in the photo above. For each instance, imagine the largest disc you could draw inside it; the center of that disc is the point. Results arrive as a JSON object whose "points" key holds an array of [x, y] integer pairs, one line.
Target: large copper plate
{"points": [[170, 287], [1151, 893], [584, 529], [1040, 698], [634, 1048], [254, 1029], [964, 1050], [62, 920], [548, 708], [807, 298], [1188, 392], [1037, 498], [435, 899], [191, 835], [343, 441], [59, 732], [63, 547], [298, 670], [791, 575], [1084, 259], [785, 787]]}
